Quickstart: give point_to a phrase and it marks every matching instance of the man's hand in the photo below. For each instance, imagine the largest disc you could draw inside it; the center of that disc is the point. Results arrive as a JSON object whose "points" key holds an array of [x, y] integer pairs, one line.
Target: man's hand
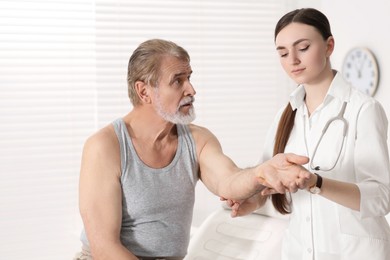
{"points": [[284, 173]]}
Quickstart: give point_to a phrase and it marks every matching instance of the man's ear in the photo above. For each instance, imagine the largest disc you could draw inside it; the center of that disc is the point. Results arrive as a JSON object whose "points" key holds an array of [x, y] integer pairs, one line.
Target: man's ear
{"points": [[142, 90]]}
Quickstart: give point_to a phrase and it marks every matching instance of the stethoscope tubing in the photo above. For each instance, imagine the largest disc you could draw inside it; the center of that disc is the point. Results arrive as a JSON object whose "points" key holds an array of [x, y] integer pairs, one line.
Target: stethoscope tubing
{"points": [[340, 117]]}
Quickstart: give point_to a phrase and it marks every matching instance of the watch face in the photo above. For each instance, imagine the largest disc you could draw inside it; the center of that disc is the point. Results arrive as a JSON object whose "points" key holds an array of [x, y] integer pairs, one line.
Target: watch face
{"points": [[360, 68], [315, 190]]}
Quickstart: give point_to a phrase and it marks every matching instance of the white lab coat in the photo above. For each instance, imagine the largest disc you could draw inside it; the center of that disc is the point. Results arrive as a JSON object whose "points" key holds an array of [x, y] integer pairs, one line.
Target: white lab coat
{"points": [[319, 228]]}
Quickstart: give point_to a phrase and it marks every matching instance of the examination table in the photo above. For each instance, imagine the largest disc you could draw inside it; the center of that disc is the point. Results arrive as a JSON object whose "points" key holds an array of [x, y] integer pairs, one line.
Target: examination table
{"points": [[255, 236]]}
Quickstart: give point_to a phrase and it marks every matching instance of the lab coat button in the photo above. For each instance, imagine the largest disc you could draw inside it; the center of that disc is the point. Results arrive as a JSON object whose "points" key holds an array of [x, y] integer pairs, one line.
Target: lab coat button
{"points": [[309, 250], [307, 219]]}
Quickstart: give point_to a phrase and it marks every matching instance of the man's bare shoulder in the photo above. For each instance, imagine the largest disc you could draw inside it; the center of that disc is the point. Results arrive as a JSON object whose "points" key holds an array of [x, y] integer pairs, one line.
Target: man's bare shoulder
{"points": [[101, 154], [200, 132], [103, 141], [203, 137]]}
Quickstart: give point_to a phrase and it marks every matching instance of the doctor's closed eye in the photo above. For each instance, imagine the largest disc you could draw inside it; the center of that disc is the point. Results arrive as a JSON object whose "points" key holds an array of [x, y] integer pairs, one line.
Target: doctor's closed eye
{"points": [[304, 48], [282, 52], [300, 46]]}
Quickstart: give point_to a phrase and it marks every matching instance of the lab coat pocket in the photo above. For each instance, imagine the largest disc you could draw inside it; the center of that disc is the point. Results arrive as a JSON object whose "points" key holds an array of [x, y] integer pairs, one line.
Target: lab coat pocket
{"points": [[373, 227]]}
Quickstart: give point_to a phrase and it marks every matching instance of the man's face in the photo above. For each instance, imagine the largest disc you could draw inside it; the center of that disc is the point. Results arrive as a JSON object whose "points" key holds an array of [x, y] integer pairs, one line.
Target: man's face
{"points": [[174, 95]]}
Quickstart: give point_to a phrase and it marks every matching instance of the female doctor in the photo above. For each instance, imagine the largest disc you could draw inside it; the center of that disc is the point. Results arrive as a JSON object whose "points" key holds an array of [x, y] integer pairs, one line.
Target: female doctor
{"points": [[341, 213]]}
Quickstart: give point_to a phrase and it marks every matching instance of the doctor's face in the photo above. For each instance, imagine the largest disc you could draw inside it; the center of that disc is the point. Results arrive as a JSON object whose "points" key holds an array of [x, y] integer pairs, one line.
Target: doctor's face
{"points": [[303, 52]]}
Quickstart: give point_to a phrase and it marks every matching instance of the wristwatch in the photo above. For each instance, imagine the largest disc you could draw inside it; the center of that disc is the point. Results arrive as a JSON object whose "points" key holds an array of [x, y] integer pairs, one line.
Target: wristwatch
{"points": [[316, 189]]}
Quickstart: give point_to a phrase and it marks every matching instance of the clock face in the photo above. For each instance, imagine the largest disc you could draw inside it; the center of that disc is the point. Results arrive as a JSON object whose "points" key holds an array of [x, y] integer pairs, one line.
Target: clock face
{"points": [[360, 68]]}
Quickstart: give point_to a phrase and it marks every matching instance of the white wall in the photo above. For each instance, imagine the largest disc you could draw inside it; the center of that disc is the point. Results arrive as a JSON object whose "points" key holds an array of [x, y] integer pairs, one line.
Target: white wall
{"points": [[354, 23], [363, 23]]}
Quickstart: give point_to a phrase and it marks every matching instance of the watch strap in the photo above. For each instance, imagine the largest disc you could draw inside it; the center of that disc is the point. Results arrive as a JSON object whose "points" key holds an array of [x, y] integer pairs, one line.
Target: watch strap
{"points": [[319, 181], [316, 188]]}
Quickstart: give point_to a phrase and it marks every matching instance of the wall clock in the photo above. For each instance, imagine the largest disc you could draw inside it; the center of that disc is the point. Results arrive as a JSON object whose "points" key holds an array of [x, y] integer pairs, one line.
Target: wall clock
{"points": [[360, 68]]}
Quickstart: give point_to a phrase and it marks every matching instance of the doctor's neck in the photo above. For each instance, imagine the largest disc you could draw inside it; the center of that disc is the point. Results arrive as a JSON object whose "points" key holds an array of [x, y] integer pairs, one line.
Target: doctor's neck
{"points": [[317, 90]]}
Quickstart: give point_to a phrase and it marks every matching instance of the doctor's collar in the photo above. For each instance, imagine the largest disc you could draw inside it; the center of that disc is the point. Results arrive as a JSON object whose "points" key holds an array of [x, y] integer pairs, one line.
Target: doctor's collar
{"points": [[297, 97], [338, 89]]}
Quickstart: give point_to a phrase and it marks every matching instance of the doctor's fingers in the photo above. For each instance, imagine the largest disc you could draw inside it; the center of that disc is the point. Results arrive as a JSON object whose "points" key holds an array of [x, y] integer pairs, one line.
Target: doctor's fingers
{"points": [[274, 181], [304, 173], [229, 203], [302, 183], [279, 187], [234, 213], [298, 171], [268, 191], [292, 187]]}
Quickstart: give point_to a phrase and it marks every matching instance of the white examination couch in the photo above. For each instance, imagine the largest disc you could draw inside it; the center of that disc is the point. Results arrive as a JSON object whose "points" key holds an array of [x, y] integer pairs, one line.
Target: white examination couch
{"points": [[256, 236]]}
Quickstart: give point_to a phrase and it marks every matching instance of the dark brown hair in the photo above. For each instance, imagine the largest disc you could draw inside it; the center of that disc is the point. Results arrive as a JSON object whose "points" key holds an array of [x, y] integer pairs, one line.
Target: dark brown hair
{"points": [[319, 21], [308, 16], [286, 124]]}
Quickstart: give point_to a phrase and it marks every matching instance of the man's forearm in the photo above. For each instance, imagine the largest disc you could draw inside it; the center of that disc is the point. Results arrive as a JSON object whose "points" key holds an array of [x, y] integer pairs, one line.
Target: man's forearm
{"points": [[241, 185]]}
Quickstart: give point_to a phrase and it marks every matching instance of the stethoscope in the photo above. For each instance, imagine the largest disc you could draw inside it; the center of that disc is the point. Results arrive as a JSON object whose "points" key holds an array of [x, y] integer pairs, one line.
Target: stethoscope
{"points": [[339, 117]]}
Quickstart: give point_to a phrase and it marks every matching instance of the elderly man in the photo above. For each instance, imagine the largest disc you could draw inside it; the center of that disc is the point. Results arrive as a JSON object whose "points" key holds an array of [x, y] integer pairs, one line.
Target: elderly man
{"points": [[138, 174]]}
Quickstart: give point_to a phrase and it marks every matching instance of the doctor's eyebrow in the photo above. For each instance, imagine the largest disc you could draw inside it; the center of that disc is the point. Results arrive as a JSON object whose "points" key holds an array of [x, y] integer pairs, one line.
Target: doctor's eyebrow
{"points": [[294, 44]]}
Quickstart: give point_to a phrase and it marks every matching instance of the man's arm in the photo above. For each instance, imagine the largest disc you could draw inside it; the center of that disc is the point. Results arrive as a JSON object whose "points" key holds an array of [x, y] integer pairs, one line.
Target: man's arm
{"points": [[222, 177], [101, 197]]}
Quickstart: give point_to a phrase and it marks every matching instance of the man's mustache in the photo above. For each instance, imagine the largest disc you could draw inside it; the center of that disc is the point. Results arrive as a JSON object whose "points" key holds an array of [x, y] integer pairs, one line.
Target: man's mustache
{"points": [[187, 101]]}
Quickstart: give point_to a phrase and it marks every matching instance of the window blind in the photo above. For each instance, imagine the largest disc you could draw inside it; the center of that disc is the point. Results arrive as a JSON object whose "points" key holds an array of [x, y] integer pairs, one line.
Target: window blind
{"points": [[47, 108], [63, 75]]}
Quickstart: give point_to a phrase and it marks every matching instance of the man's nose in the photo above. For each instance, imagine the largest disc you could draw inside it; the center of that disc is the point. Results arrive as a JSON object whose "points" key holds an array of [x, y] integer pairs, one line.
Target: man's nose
{"points": [[190, 90]]}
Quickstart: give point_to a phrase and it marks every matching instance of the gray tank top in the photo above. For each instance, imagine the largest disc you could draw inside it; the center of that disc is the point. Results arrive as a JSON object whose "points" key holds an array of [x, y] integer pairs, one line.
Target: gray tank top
{"points": [[157, 204]]}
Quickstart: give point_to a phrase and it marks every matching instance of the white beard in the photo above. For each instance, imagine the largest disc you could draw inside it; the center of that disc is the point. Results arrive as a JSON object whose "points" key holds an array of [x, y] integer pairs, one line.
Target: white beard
{"points": [[177, 117]]}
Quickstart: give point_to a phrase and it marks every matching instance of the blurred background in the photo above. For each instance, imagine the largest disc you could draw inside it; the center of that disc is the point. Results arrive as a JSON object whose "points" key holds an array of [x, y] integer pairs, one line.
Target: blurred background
{"points": [[63, 67]]}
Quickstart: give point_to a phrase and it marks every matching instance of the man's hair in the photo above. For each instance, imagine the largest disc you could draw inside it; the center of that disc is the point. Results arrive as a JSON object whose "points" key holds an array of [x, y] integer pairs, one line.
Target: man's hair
{"points": [[145, 62]]}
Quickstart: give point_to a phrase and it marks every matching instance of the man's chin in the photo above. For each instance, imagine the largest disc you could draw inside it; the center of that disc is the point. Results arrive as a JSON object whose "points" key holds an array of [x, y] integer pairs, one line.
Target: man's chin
{"points": [[183, 119], [179, 117]]}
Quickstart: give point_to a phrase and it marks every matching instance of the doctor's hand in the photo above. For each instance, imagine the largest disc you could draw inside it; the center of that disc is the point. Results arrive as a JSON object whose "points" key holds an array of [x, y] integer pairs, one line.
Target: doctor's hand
{"points": [[244, 207], [283, 173]]}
